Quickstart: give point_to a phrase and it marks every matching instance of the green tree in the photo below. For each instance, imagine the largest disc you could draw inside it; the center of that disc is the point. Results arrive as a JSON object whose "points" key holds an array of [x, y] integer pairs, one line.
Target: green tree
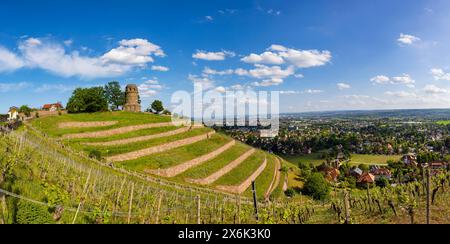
{"points": [[25, 110], [157, 106], [317, 187], [114, 95], [88, 100]]}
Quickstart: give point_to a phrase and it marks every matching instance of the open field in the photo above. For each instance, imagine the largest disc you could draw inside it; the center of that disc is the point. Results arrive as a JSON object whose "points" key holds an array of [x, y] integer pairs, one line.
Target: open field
{"points": [[356, 159], [443, 122]]}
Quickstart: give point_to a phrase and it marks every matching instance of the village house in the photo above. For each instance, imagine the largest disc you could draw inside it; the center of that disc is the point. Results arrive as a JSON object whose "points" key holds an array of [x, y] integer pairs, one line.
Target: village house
{"points": [[366, 178], [13, 113], [380, 173], [356, 172], [332, 174], [438, 165], [409, 159], [52, 107]]}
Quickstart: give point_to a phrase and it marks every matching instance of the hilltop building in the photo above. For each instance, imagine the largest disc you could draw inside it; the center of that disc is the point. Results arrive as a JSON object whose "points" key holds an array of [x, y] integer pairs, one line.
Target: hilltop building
{"points": [[132, 99], [52, 107], [13, 113]]}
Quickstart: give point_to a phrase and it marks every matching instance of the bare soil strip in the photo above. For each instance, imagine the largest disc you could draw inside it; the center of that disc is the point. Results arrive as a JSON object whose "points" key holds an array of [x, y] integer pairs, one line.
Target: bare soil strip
{"points": [[158, 149], [215, 176], [176, 170], [138, 139], [67, 125], [122, 130], [239, 189], [275, 180]]}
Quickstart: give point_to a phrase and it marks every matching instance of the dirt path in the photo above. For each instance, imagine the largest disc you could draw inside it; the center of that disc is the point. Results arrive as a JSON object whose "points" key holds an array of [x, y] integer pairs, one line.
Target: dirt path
{"points": [[158, 149], [275, 180], [122, 130], [176, 170], [215, 176], [239, 189], [67, 125], [138, 139]]}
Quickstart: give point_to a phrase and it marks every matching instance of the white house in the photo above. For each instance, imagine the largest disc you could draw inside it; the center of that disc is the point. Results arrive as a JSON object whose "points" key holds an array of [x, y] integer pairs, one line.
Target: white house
{"points": [[13, 113]]}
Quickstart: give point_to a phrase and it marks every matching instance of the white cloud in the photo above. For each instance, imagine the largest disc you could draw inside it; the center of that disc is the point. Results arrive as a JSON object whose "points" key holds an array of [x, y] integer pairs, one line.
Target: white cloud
{"points": [[404, 79], [160, 68], [432, 89], [9, 87], [209, 71], [237, 87], [220, 89], [149, 88], [55, 87], [289, 92], [263, 72], [273, 12], [278, 48], [380, 79], [312, 91], [213, 56], [209, 18], [306, 58], [268, 82], [264, 58], [133, 52], [204, 81], [278, 54], [343, 86], [270, 75], [68, 43], [9, 61], [299, 76], [400, 94], [439, 74], [405, 39], [53, 57]]}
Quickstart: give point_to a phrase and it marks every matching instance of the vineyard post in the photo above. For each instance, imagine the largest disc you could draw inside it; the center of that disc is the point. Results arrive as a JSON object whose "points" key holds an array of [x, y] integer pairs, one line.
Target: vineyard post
{"points": [[118, 195], [131, 203], [255, 201], [82, 197], [159, 208], [198, 210], [4, 210], [428, 195], [239, 209], [346, 207], [369, 200]]}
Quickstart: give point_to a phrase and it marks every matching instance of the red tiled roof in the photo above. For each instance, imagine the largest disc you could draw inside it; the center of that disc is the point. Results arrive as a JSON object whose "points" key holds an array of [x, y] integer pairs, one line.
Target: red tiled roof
{"points": [[48, 106], [366, 178]]}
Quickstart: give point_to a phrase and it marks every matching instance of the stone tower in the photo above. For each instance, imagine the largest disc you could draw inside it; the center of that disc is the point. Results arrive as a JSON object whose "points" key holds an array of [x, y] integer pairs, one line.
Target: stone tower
{"points": [[132, 99]]}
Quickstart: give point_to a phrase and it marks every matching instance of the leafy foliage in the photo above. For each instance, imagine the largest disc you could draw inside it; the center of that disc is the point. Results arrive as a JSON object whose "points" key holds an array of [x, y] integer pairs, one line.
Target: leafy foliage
{"points": [[114, 95], [88, 100], [317, 187]]}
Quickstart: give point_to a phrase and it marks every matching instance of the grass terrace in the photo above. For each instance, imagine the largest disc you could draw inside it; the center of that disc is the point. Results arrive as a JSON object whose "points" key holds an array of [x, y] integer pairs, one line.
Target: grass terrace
{"points": [[176, 156]]}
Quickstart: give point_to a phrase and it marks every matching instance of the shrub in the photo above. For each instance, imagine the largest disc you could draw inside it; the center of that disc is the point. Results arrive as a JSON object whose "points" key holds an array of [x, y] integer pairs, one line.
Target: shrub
{"points": [[290, 192], [382, 182], [31, 213], [95, 154], [317, 187]]}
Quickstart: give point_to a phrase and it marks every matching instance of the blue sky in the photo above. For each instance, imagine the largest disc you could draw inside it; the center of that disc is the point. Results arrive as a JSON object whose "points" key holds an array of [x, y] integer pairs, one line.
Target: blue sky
{"points": [[322, 55]]}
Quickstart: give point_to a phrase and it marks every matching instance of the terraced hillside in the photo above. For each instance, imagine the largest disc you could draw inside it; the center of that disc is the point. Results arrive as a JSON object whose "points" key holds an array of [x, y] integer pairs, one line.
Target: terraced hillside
{"points": [[150, 144]]}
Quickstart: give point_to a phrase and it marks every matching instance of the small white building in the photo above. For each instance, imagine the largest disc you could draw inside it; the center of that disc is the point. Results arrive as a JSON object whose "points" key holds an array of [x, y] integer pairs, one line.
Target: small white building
{"points": [[13, 113]]}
